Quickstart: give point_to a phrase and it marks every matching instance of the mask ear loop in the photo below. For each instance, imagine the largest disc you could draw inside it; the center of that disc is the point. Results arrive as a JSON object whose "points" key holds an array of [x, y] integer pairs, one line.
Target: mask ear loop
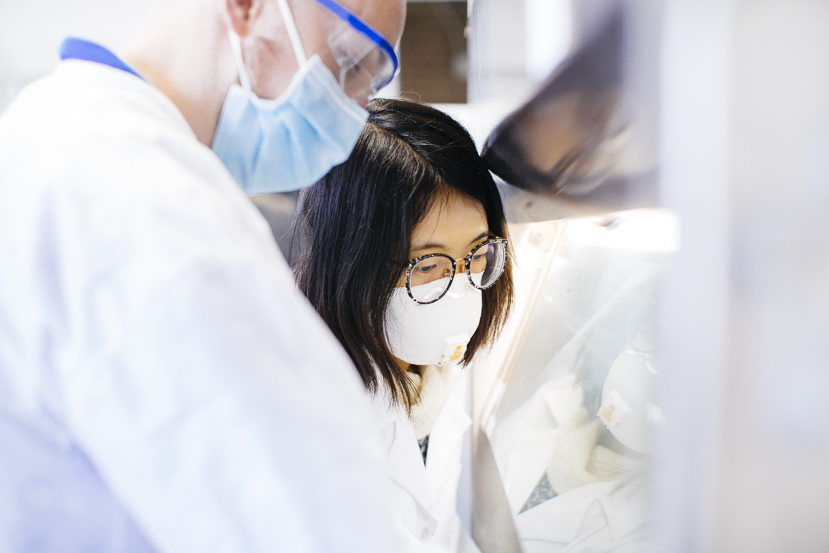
{"points": [[296, 43], [290, 26], [236, 44]]}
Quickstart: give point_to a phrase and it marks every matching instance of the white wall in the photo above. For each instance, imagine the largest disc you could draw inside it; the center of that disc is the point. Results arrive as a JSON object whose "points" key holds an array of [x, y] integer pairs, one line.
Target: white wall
{"points": [[746, 164], [31, 32]]}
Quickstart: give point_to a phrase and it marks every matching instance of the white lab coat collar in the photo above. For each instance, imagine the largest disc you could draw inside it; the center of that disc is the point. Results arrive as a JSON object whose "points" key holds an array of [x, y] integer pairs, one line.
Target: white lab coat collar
{"points": [[405, 463], [386, 412], [559, 519], [449, 429], [624, 514], [530, 442], [426, 485], [106, 77]]}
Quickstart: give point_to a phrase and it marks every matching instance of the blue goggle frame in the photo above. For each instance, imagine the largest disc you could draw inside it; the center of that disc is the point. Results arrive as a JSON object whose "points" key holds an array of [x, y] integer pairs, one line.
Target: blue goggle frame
{"points": [[364, 29]]}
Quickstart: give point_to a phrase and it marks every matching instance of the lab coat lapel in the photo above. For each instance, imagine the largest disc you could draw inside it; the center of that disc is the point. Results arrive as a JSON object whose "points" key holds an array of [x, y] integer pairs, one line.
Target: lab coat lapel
{"points": [[558, 519], [624, 514], [146, 97], [405, 463], [449, 429], [406, 466], [533, 440]]}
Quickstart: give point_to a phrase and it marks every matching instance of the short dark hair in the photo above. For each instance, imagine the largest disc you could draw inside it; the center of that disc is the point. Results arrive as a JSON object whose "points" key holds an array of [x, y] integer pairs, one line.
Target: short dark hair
{"points": [[355, 226]]}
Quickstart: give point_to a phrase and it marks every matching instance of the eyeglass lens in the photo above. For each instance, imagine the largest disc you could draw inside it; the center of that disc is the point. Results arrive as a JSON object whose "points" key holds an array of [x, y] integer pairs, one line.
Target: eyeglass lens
{"points": [[488, 262], [431, 277]]}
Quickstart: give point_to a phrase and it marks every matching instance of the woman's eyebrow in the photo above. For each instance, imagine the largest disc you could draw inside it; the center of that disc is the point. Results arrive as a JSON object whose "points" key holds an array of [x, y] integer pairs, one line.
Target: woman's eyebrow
{"points": [[430, 246], [484, 234], [436, 246]]}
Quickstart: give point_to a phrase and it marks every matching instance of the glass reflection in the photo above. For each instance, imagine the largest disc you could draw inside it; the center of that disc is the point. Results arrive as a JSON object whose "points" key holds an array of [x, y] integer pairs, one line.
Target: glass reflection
{"points": [[571, 416]]}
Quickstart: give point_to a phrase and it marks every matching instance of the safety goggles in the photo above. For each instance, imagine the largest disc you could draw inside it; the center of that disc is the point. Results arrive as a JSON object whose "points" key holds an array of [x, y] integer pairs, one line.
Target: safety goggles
{"points": [[366, 60]]}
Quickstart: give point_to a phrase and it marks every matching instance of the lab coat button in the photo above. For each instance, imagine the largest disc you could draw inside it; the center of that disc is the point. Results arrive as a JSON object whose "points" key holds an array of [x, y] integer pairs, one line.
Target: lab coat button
{"points": [[426, 534]]}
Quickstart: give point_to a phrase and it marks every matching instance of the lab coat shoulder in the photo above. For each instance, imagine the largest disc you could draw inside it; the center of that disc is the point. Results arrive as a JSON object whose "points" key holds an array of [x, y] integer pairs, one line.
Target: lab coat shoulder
{"points": [[111, 154], [104, 180], [155, 320]]}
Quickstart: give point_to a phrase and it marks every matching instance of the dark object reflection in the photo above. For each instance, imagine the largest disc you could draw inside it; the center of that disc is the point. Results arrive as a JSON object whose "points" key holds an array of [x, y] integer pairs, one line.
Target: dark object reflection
{"points": [[570, 141]]}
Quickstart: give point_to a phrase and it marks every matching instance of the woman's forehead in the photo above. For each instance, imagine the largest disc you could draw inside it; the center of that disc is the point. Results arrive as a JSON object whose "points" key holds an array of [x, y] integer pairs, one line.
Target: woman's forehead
{"points": [[451, 222]]}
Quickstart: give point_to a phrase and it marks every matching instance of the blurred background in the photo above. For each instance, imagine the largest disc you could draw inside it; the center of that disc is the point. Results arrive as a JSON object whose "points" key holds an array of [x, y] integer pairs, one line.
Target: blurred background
{"points": [[695, 221]]}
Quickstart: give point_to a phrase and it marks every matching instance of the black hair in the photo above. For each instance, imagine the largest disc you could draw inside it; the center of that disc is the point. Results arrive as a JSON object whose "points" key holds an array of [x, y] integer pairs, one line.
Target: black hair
{"points": [[355, 227]]}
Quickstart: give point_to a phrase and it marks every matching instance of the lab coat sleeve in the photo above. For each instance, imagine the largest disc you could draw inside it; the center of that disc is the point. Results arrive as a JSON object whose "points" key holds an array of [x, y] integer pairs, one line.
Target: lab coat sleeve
{"points": [[228, 420]]}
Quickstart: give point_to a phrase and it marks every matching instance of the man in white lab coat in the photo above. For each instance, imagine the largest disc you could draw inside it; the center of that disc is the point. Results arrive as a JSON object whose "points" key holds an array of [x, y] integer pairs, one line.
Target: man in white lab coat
{"points": [[163, 387]]}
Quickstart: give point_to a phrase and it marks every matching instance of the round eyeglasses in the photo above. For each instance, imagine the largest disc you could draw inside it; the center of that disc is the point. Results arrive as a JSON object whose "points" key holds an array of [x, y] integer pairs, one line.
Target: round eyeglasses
{"points": [[429, 277]]}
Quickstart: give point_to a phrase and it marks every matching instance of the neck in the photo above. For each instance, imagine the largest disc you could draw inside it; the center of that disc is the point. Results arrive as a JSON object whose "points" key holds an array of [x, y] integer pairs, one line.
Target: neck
{"points": [[187, 56], [404, 365]]}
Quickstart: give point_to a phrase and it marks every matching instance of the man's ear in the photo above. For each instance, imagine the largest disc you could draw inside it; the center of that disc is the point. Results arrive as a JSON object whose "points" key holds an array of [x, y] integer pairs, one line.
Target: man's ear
{"points": [[240, 14]]}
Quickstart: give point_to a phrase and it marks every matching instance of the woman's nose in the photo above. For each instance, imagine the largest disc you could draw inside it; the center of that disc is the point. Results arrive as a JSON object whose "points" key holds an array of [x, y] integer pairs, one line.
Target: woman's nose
{"points": [[461, 265]]}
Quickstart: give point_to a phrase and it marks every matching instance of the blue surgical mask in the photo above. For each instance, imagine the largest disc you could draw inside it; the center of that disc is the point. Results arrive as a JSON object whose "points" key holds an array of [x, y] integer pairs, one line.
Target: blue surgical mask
{"points": [[290, 142]]}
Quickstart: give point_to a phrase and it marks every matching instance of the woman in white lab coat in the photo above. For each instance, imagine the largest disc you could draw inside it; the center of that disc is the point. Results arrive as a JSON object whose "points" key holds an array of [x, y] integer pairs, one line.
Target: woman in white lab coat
{"points": [[403, 252]]}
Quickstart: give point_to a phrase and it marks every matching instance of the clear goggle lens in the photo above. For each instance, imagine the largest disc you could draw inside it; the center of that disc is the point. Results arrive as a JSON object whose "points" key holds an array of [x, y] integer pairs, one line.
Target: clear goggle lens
{"points": [[430, 278], [364, 67]]}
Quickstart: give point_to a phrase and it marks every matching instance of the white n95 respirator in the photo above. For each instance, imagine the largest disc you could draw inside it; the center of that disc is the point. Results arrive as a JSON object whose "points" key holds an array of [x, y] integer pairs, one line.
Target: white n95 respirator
{"points": [[435, 333]]}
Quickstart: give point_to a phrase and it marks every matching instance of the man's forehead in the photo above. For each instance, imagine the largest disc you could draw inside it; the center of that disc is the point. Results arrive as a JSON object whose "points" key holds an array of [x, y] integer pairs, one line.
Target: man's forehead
{"points": [[385, 16]]}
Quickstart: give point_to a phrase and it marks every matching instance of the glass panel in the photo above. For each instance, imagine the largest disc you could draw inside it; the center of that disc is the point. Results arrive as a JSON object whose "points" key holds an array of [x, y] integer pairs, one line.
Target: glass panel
{"points": [[570, 412]]}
